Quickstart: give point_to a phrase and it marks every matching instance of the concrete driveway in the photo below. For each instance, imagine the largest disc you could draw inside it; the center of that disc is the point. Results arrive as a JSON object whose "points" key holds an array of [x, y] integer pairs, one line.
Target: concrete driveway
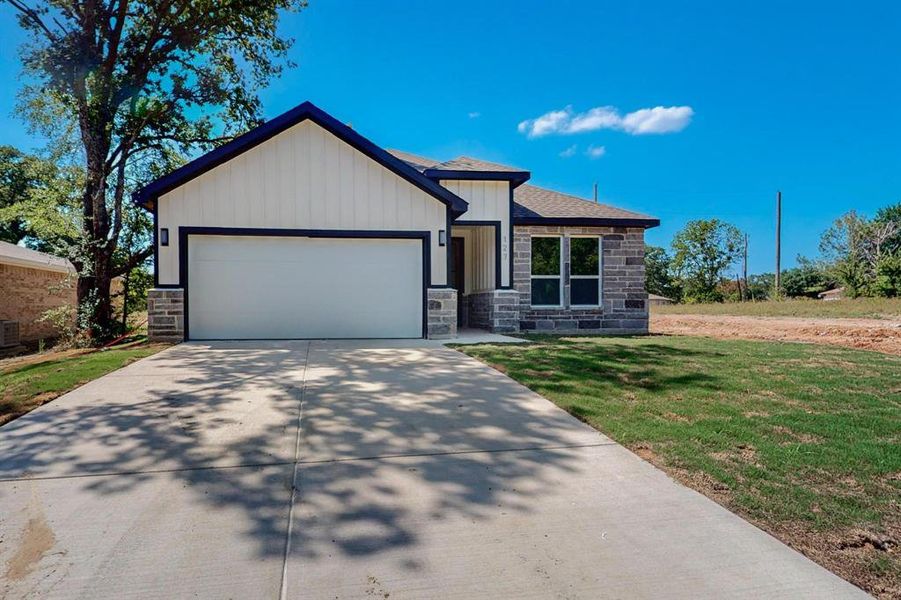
{"points": [[354, 470]]}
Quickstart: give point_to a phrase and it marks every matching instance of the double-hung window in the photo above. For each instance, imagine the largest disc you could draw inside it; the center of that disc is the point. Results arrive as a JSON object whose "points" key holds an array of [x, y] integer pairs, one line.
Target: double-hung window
{"points": [[585, 271], [547, 271]]}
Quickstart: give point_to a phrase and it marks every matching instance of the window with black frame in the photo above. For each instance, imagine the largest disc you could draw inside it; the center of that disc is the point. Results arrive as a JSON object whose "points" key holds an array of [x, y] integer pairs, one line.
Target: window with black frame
{"points": [[585, 271], [547, 286]]}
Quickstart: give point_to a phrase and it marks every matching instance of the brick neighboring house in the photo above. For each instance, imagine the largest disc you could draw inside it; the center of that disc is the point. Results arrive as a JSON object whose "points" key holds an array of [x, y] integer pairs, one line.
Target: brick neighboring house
{"points": [[31, 283], [303, 228]]}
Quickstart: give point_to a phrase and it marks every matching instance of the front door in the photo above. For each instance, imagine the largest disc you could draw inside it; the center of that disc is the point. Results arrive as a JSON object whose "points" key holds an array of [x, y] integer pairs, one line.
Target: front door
{"points": [[457, 275]]}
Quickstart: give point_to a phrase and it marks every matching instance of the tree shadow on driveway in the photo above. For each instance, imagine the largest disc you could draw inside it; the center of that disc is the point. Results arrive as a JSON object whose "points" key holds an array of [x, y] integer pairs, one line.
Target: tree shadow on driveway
{"points": [[201, 416]]}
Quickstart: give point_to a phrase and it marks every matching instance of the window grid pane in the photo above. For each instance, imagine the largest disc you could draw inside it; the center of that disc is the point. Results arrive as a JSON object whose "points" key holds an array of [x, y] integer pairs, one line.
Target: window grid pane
{"points": [[545, 291], [584, 291], [584, 256], [546, 256]]}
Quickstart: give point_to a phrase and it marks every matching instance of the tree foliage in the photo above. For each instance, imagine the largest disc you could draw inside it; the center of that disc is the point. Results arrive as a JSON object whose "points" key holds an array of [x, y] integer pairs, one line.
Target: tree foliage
{"points": [[808, 279], [124, 87], [702, 253], [857, 250], [659, 273]]}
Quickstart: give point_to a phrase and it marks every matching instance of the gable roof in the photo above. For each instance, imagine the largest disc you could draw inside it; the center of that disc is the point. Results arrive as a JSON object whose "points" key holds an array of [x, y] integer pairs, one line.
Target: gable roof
{"points": [[420, 163], [147, 195], [463, 167], [11, 254], [533, 205], [467, 163]]}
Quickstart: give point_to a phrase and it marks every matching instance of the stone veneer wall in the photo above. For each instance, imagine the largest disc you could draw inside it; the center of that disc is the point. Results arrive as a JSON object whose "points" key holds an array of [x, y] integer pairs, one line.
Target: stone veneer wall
{"points": [[495, 310], [442, 313], [26, 294], [624, 301], [166, 315]]}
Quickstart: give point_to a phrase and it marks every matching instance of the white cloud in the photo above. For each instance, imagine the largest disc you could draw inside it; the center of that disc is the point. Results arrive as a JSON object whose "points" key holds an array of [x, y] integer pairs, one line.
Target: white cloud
{"points": [[547, 123], [571, 151], [660, 119], [474, 115], [602, 117], [594, 152]]}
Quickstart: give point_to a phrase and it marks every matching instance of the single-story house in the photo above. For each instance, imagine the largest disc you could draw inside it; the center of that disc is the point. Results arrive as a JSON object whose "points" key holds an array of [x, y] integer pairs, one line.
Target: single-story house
{"points": [[833, 294], [303, 228], [31, 283], [658, 300]]}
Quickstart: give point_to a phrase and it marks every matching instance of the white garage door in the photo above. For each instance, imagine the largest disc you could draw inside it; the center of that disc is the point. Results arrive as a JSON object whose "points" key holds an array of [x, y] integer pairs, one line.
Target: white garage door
{"points": [[291, 287]]}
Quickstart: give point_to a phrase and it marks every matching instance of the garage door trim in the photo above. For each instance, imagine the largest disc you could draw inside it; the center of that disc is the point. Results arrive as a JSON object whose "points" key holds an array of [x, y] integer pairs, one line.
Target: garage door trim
{"points": [[185, 232]]}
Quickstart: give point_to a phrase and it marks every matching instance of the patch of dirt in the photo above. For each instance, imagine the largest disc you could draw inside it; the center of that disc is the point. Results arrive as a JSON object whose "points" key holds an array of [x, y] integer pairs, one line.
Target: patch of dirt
{"points": [[850, 553], [498, 367], [28, 406], [740, 454], [866, 558], [795, 437], [17, 362], [671, 416], [647, 454], [862, 334], [35, 540]]}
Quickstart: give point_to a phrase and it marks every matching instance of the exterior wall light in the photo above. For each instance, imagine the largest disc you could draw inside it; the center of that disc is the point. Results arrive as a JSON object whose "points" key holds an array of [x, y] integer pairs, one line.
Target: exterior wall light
{"points": [[164, 236], [442, 237]]}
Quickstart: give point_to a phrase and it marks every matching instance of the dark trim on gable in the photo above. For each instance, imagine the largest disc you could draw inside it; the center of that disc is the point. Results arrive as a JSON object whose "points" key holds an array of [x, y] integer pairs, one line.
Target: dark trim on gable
{"points": [[156, 246], [516, 178], [447, 247], [497, 247], [185, 232], [510, 241], [587, 222], [269, 129]]}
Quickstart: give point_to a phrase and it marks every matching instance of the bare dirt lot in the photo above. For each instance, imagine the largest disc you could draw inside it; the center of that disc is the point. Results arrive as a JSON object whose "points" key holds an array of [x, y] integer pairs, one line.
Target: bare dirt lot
{"points": [[880, 335]]}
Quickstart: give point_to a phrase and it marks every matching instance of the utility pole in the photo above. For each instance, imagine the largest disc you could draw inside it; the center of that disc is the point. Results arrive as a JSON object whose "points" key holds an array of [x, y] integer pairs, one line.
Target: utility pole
{"points": [[744, 269], [595, 192], [778, 244]]}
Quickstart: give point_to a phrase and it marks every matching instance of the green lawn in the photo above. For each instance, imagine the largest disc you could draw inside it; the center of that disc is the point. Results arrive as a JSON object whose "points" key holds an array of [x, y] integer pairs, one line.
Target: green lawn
{"points": [[803, 440], [27, 386], [874, 308]]}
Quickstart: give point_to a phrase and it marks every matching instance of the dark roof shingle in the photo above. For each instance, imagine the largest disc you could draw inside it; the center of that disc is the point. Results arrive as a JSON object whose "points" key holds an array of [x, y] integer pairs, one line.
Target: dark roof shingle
{"points": [[420, 163], [467, 163], [533, 202]]}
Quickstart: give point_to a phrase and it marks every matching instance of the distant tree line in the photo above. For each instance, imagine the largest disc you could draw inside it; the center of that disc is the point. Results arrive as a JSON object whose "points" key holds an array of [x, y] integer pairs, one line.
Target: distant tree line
{"points": [[860, 254]]}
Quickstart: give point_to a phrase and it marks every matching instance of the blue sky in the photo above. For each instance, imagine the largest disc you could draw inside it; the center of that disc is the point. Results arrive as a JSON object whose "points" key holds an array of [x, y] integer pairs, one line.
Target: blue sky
{"points": [[799, 96]]}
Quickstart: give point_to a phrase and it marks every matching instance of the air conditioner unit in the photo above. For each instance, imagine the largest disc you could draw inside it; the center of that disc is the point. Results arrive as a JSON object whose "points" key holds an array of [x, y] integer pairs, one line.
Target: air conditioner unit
{"points": [[9, 333]]}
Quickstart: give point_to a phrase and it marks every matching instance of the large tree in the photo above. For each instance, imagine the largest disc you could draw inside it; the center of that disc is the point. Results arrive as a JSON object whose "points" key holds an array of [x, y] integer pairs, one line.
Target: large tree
{"points": [[658, 273], [127, 85], [702, 253], [858, 249]]}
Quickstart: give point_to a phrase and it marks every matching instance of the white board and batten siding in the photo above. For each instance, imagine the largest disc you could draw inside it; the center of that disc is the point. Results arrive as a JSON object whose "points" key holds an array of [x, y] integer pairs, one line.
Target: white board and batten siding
{"points": [[478, 256], [488, 201], [302, 178]]}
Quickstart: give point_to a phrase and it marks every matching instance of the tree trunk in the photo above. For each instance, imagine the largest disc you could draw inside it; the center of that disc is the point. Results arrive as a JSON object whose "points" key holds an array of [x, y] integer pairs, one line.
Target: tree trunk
{"points": [[125, 301]]}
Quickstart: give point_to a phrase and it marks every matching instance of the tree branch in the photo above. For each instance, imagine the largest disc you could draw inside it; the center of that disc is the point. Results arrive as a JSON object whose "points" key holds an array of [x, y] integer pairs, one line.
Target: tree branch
{"points": [[133, 261], [33, 16]]}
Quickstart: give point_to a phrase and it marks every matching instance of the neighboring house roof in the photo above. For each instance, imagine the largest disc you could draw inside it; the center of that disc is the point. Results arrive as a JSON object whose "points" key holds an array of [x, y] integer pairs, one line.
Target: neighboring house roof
{"points": [[11, 254], [658, 298], [147, 195], [533, 205], [835, 292]]}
